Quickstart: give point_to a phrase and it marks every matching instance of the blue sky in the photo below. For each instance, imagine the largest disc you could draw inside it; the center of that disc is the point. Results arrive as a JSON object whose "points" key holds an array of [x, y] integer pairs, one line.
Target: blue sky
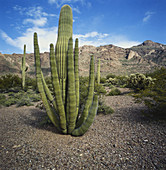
{"points": [[124, 23]]}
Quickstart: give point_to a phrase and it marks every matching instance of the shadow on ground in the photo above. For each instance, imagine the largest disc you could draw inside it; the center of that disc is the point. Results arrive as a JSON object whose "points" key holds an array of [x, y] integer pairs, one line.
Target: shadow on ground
{"points": [[38, 119]]}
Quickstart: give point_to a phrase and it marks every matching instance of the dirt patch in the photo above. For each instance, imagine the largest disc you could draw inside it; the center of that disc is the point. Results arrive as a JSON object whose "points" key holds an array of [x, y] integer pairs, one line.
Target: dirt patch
{"points": [[124, 140]]}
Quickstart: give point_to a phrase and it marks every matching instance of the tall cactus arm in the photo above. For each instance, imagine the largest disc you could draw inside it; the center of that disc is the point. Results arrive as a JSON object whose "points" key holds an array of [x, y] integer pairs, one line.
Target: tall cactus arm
{"points": [[23, 68], [71, 89], [90, 94], [98, 71], [76, 70], [48, 93], [57, 90], [65, 31], [88, 122], [49, 111]]}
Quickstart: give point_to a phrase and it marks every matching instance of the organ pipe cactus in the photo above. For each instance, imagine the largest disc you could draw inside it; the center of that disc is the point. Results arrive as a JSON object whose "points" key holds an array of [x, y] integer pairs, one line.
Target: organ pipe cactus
{"points": [[98, 71], [63, 106], [23, 67], [65, 31]]}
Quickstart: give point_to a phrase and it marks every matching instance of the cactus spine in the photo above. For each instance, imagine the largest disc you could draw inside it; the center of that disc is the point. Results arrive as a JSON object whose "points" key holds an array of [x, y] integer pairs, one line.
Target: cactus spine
{"points": [[23, 68], [98, 71], [63, 108]]}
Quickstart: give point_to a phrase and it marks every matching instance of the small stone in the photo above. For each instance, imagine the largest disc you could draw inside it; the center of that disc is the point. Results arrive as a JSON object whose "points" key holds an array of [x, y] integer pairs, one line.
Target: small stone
{"points": [[145, 140], [16, 146]]}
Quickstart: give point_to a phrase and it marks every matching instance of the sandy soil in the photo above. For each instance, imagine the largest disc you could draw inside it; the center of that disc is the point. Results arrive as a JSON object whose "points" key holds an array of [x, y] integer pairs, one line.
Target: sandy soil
{"points": [[123, 140]]}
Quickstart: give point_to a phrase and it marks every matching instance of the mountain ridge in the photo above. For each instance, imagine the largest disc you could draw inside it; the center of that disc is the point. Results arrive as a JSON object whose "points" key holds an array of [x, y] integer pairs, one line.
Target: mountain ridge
{"points": [[142, 58]]}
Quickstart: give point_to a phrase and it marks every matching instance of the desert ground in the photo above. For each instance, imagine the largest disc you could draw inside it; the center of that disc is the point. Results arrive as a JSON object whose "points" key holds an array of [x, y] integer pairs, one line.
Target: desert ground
{"points": [[125, 139]]}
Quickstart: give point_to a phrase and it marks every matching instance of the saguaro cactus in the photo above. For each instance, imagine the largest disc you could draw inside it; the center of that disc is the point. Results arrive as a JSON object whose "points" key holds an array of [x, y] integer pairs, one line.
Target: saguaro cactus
{"points": [[63, 112], [23, 67], [98, 71]]}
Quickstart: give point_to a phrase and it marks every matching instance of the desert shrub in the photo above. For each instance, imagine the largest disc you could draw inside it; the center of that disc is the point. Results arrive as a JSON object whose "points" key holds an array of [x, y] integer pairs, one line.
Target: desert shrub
{"points": [[30, 83], [10, 101], [111, 86], [24, 102], [155, 97], [103, 109], [99, 89], [118, 81], [34, 97], [83, 90], [122, 81], [20, 98], [2, 99], [140, 82], [112, 81], [110, 76], [103, 80], [9, 81], [114, 92]]}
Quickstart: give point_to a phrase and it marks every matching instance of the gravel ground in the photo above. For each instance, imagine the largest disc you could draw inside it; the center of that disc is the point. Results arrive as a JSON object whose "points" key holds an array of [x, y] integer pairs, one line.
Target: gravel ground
{"points": [[123, 140]]}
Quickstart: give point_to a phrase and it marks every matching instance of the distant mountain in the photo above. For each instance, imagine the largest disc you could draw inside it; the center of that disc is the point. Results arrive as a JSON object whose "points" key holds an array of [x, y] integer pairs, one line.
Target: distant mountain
{"points": [[142, 58]]}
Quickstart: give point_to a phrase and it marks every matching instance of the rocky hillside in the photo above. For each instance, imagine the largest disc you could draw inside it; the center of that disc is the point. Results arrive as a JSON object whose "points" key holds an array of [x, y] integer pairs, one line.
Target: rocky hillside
{"points": [[142, 58]]}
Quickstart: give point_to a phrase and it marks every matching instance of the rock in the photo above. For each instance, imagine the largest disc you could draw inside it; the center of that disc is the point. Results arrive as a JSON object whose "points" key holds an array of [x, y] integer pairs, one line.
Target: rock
{"points": [[132, 54]]}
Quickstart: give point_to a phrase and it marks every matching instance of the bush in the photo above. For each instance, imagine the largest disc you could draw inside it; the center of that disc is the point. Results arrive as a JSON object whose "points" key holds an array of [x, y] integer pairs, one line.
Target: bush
{"points": [[155, 97], [83, 90], [103, 109], [2, 99], [114, 92], [99, 89], [20, 98], [140, 81], [110, 76], [30, 83], [118, 81], [113, 81], [24, 102], [9, 81], [103, 80]]}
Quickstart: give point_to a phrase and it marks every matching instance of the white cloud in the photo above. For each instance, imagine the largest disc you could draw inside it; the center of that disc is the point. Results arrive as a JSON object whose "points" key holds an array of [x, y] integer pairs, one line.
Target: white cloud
{"points": [[35, 12], [35, 15], [91, 35], [61, 2], [36, 22], [98, 39], [49, 35], [76, 10], [7, 38], [45, 37], [51, 1], [147, 16]]}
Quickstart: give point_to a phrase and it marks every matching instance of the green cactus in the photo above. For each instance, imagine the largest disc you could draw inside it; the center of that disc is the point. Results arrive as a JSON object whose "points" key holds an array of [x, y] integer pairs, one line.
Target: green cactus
{"points": [[90, 94], [65, 31], [40, 85], [139, 81], [76, 70], [63, 106], [23, 68], [98, 71]]}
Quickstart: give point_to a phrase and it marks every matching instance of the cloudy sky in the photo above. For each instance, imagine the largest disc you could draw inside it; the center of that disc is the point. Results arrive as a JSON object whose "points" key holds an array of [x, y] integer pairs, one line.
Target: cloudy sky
{"points": [[124, 23]]}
